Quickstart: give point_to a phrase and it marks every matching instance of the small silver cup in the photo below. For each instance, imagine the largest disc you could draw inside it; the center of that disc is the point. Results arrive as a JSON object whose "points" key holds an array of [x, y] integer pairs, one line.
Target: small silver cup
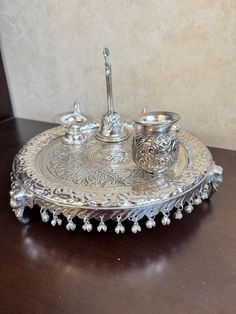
{"points": [[155, 142]]}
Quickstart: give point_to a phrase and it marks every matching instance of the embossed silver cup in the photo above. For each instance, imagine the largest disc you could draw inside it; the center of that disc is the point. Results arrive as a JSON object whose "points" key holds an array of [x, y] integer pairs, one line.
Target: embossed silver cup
{"points": [[155, 141]]}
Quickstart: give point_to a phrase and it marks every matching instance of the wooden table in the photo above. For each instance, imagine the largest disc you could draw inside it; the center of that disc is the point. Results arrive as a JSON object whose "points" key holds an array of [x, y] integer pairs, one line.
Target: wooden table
{"points": [[187, 267]]}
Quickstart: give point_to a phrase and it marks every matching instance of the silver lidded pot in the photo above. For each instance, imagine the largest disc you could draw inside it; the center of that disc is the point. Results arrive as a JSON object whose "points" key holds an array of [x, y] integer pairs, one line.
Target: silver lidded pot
{"points": [[155, 141]]}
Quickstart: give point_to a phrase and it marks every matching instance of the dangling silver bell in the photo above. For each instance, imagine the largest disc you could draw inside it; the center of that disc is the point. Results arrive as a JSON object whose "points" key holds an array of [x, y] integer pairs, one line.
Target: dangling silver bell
{"points": [[178, 214], [150, 223], [44, 215], [101, 226], [87, 226], [70, 224], [197, 201], [136, 227], [188, 208], [165, 220]]}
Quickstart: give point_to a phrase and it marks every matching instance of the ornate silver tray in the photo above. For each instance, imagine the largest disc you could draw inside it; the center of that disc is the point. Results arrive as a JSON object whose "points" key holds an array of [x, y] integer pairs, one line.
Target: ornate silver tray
{"points": [[85, 170], [100, 180]]}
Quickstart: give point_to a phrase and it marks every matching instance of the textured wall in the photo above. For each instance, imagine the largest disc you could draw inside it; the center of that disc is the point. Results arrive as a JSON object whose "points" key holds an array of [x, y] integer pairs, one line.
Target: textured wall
{"points": [[166, 55]]}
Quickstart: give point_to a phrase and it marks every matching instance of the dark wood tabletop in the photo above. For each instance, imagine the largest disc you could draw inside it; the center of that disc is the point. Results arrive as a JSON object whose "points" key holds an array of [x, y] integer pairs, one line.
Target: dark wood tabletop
{"points": [[187, 267]]}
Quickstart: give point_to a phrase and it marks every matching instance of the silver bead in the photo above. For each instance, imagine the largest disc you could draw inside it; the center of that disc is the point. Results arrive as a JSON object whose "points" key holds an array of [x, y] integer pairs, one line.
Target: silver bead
{"points": [[188, 208], [165, 220], [150, 223]]}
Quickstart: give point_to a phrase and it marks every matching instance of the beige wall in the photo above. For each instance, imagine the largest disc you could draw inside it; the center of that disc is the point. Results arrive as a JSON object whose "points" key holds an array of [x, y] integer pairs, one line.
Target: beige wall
{"points": [[166, 55]]}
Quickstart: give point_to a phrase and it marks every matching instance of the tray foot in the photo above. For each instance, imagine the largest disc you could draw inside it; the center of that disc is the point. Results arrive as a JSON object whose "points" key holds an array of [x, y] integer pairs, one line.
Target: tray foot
{"points": [[216, 179], [19, 199]]}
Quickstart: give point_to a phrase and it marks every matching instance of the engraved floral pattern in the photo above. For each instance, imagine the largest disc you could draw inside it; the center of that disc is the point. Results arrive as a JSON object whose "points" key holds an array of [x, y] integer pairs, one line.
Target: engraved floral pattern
{"points": [[111, 122], [155, 153]]}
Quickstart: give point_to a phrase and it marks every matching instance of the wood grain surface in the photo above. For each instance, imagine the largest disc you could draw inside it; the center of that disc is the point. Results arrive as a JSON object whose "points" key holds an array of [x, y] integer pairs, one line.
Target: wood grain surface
{"points": [[187, 267]]}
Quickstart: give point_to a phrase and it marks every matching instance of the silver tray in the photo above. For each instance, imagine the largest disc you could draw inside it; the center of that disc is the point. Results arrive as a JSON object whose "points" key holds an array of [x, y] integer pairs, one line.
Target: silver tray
{"points": [[97, 181]]}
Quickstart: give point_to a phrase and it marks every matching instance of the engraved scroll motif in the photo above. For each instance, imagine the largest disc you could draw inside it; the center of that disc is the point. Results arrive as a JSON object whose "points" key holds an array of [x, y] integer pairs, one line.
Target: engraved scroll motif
{"points": [[155, 152], [115, 156]]}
